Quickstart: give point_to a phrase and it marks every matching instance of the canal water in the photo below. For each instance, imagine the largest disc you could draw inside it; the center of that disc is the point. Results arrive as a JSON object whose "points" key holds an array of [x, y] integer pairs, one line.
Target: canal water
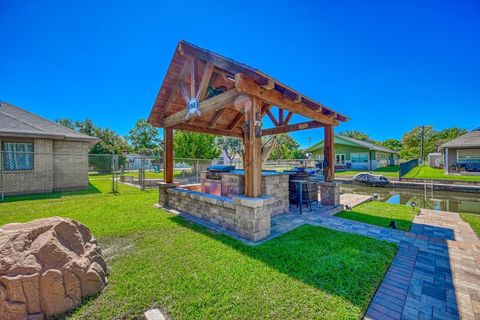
{"points": [[428, 199]]}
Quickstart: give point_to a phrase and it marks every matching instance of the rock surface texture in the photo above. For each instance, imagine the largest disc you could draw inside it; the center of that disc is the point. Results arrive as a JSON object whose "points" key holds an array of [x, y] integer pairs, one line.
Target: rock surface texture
{"points": [[46, 267]]}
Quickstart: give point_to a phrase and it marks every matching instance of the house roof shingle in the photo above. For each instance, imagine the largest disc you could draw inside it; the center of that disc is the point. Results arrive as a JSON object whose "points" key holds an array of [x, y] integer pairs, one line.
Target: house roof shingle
{"points": [[354, 141], [17, 122], [468, 140]]}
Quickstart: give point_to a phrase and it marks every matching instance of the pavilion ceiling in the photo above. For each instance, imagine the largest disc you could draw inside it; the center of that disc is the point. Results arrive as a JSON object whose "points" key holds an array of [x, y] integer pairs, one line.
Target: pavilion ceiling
{"points": [[219, 83]]}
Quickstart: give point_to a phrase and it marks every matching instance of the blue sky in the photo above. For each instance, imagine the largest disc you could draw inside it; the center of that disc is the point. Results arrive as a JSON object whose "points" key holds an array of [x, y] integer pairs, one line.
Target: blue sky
{"points": [[388, 65]]}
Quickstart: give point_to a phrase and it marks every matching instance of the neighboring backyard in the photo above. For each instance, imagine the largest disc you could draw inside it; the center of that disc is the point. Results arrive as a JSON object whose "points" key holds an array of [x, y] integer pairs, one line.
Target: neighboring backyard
{"points": [[424, 172], [160, 260], [389, 172], [381, 214]]}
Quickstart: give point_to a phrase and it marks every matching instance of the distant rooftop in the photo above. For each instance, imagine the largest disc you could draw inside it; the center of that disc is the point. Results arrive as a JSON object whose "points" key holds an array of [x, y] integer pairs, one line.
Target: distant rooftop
{"points": [[468, 140], [17, 122], [353, 141]]}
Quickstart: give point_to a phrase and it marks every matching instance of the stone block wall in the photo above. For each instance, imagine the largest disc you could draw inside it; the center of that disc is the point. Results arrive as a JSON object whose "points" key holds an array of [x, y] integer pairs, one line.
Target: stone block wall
{"points": [[277, 187], [248, 217]]}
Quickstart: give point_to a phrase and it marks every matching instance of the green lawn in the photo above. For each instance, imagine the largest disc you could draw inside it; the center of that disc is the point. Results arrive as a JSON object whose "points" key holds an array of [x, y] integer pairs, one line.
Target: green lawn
{"points": [[160, 260], [148, 174], [473, 220], [381, 213], [424, 172], [389, 172]]}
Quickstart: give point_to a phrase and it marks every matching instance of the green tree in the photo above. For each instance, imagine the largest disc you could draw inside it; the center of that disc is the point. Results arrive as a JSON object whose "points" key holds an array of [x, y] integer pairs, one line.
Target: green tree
{"points": [[232, 147], [66, 122], [392, 144], [448, 134], [143, 136], [412, 141], [190, 145], [86, 127], [195, 145], [355, 134], [286, 148]]}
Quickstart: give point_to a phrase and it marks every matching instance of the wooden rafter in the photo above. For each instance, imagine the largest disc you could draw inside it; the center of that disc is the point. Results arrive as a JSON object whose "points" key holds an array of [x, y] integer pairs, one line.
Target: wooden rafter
{"points": [[280, 116], [217, 117], [239, 117], [272, 117], [292, 127], [175, 89], [209, 105], [207, 75], [248, 86], [289, 116], [265, 107], [193, 76]]}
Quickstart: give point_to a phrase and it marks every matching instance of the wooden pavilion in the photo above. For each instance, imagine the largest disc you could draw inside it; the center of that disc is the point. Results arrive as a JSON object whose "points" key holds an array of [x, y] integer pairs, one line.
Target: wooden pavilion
{"points": [[233, 100]]}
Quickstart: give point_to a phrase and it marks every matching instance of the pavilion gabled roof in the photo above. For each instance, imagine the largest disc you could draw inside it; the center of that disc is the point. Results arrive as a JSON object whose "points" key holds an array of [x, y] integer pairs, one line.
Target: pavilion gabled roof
{"points": [[232, 78]]}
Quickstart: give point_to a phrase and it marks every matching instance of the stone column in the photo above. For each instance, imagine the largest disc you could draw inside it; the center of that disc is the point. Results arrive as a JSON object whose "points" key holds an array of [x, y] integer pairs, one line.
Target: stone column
{"points": [[329, 193], [253, 217], [162, 192]]}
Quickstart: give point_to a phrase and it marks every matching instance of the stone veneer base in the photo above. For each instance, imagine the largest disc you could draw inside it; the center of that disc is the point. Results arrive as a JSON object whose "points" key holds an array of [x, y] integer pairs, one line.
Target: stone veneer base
{"points": [[247, 217]]}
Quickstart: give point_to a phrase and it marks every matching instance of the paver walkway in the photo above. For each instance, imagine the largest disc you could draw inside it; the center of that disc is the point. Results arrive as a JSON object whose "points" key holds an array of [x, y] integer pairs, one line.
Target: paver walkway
{"points": [[435, 273], [352, 199]]}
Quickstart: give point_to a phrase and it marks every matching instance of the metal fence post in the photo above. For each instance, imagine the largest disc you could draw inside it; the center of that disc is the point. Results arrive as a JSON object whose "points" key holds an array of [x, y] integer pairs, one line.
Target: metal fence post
{"points": [[113, 173]]}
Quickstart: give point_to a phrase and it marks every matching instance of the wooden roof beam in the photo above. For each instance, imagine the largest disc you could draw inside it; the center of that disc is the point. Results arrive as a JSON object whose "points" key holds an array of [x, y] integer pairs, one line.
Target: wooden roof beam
{"points": [[272, 117], [175, 89], [292, 127], [288, 117], [274, 97], [215, 103], [207, 75], [217, 117], [236, 121]]}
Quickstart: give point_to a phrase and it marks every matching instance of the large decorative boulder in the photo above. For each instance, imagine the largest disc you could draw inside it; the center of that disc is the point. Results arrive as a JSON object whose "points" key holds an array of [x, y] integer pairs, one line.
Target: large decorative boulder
{"points": [[46, 267]]}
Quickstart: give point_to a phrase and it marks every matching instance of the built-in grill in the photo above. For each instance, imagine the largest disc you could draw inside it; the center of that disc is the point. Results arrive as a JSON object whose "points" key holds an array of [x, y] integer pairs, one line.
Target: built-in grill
{"points": [[215, 172]]}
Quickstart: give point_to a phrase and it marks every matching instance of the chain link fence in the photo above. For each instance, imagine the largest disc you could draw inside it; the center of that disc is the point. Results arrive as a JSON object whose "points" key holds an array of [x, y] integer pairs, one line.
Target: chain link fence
{"points": [[28, 175]]}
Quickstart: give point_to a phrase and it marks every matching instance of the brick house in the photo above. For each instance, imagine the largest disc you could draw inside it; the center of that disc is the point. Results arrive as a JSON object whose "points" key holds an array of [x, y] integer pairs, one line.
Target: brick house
{"points": [[40, 156]]}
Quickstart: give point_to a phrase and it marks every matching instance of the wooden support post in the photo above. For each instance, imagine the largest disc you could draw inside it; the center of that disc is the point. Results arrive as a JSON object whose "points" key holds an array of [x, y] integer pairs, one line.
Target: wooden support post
{"points": [[252, 141], [168, 154], [329, 154]]}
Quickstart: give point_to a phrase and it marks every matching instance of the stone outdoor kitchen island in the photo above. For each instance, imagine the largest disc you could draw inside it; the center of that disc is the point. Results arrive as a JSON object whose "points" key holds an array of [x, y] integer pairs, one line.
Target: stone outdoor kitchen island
{"points": [[230, 99]]}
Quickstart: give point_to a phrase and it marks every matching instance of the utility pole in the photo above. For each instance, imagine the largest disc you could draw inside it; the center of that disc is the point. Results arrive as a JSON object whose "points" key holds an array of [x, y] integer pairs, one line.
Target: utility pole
{"points": [[309, 140], [423, 143]]}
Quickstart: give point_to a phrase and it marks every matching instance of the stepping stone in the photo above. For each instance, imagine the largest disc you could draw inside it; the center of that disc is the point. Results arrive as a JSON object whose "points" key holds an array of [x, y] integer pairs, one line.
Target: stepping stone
{"points": [[154, 314]]}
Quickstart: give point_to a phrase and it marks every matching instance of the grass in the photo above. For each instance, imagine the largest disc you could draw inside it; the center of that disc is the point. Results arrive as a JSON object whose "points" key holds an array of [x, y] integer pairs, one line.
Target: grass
{"points": [[381, 213], [160, 260], [473, 220], [424, 172], [148, 174], [389, 172]]}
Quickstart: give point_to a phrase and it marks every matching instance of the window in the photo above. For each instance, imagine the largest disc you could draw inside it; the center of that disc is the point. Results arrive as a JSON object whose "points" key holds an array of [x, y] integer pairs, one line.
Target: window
{"points": [[339, 159], [17, 156], [359, 157], [468, 156]]}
